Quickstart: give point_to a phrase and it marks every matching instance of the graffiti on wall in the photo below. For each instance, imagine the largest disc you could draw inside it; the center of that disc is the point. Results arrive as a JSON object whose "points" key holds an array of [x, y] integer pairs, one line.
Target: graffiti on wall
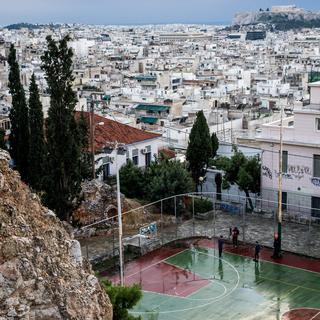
{"points": [[266, 172], [294, 172], [315, 181], [284, 175], [299, 171]]}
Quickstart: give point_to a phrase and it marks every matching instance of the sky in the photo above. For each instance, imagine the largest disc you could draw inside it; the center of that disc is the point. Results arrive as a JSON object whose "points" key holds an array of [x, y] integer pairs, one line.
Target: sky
{"points": [[134, 11]]}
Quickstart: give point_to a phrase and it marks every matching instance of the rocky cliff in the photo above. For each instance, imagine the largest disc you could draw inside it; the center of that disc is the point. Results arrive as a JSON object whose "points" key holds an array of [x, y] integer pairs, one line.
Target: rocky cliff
{"points": [[42, 274]]}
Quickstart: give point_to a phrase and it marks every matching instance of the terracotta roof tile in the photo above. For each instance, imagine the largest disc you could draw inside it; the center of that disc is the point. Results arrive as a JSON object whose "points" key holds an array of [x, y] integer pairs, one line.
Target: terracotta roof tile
{"points": [[112, 131]]}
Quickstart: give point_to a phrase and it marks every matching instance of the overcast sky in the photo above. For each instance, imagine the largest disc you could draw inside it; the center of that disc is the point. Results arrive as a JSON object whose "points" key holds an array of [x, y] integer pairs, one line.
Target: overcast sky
{"points": [[133, 11]]}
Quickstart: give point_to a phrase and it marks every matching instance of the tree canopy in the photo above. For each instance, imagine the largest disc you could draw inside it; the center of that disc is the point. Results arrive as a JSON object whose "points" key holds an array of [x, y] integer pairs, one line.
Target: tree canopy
{"points": [[19, 117], [199, 149], [242, 171], [37, 153], [63, 144], [163, 178], [122, 299]]}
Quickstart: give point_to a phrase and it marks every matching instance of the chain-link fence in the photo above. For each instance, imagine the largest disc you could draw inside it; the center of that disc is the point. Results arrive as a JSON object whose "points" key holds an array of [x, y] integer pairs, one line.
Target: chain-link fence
{"points": [[201, 215]]}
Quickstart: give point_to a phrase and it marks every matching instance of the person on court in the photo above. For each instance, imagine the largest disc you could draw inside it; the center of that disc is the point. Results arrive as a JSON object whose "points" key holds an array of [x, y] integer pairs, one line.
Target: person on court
{"points": [[235, 234], [220, 245], [257, 250]]}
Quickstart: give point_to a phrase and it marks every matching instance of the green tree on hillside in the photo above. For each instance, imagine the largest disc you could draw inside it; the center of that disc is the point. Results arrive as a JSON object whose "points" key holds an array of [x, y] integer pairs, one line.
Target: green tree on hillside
{"points": [[166, 178], [19, 117], [122, 300], [242, 171], [215, 144], [86, 157], [132, 180], [199, 149], [37, 153], [63, 177]]}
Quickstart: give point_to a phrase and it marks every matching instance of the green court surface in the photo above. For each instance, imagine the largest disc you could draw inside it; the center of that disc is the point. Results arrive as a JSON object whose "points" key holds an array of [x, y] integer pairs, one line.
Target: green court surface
{"points": [[197, 285]]}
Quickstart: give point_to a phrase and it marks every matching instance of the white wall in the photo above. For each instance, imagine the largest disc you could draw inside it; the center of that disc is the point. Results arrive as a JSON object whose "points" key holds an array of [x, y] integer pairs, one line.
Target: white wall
{"points": [[122, 159]]}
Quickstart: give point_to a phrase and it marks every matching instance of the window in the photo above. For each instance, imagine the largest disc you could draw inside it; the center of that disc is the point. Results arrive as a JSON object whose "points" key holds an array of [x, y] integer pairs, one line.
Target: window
{"points": [[318, 124], [315, 204], [316, 165], [135, 157], [284, 161], [148, 156], [106, 171], [284, 200], [148, 159]]}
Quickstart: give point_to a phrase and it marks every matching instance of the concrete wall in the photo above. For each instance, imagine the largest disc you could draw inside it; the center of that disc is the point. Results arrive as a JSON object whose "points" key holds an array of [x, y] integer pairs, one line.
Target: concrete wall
{"points": [[155, 144]]}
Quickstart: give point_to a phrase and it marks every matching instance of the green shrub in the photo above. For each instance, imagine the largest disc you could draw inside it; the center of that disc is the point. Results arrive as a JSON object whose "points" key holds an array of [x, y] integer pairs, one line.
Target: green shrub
{"points": [[202, 205], [122, 299]]}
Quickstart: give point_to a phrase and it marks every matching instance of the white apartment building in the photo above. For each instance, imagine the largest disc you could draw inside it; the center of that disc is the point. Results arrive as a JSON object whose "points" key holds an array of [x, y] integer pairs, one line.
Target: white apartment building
{"points": [[141, 147], [300, 162]]}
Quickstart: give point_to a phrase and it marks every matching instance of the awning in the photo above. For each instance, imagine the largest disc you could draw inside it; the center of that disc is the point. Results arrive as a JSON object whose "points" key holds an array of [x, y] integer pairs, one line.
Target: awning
{"points": [[149, 120], [152, 107]]}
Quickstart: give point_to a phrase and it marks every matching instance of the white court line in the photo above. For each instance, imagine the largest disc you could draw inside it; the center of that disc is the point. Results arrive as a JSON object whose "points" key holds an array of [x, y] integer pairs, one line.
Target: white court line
{"points": [[202, 305], [211, 282], [152, 265], [263, 260], [306, 308]]}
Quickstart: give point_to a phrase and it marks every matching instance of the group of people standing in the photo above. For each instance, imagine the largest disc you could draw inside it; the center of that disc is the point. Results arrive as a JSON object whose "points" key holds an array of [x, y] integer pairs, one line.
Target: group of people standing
{"points": [[234, 234]]}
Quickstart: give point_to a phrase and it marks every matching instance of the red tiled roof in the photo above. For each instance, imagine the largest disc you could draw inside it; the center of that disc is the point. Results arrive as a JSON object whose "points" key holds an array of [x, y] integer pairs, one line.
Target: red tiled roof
{"points": [[113, 131], [167, 152]]}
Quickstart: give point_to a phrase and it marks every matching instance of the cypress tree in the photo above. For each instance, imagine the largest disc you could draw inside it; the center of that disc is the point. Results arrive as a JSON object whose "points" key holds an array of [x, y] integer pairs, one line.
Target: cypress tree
{"points": [[199, 149], [215, 144], [19, 117], [63, 176], [86, 163], [37, 142], [2, 141]]}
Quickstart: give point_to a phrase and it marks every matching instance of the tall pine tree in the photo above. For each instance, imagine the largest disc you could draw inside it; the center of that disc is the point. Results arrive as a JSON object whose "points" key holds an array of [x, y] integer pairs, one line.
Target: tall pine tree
{"points": [[19, 117], [86, 157], [199, 149], [63, 176], [37, 142], [2, 139]]}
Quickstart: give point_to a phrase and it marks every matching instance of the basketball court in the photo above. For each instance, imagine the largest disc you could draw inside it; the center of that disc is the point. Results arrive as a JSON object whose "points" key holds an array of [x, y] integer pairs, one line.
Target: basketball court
{"points": [[189, 282]]}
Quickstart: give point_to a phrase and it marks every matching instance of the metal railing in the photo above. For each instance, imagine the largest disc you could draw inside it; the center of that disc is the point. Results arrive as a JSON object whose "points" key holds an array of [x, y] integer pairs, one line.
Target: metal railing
{"points": [[176, 218]]}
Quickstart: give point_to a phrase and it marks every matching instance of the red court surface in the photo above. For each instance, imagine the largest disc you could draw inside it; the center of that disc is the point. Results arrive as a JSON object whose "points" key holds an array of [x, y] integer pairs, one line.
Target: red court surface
{"points": [[167, 279], [288, 259], [154, 275], [302, 314]]}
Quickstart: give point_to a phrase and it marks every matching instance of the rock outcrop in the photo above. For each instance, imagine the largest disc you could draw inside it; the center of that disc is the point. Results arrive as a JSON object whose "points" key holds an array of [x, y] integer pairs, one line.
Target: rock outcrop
{"points": [[279, 20], [42, 274]]}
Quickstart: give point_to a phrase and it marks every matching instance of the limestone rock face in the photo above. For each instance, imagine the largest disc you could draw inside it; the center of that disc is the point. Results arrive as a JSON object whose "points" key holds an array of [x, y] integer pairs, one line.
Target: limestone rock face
{"points": [[42, 274]]}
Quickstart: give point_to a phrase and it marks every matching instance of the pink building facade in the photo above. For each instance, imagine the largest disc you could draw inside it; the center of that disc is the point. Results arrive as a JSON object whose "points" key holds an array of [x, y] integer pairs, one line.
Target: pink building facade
{"points": [[301, 159]]}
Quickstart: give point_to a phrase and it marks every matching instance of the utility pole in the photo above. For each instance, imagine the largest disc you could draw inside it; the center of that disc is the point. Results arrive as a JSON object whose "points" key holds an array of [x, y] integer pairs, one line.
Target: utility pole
{"points": [[119, 216], [92, 138], [120, 149], [280, 182]]}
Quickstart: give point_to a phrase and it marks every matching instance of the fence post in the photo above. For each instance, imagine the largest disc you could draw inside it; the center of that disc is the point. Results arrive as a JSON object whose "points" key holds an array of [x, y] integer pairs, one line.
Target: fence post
{"points": [[161, 221], [309, 234], [193, 215], [243, 223], [214, 216], [175, 214]]}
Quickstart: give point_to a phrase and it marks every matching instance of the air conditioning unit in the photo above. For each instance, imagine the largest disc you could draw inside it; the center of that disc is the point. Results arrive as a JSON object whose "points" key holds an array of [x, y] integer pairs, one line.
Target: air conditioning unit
{"points": [[144, 151]]}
